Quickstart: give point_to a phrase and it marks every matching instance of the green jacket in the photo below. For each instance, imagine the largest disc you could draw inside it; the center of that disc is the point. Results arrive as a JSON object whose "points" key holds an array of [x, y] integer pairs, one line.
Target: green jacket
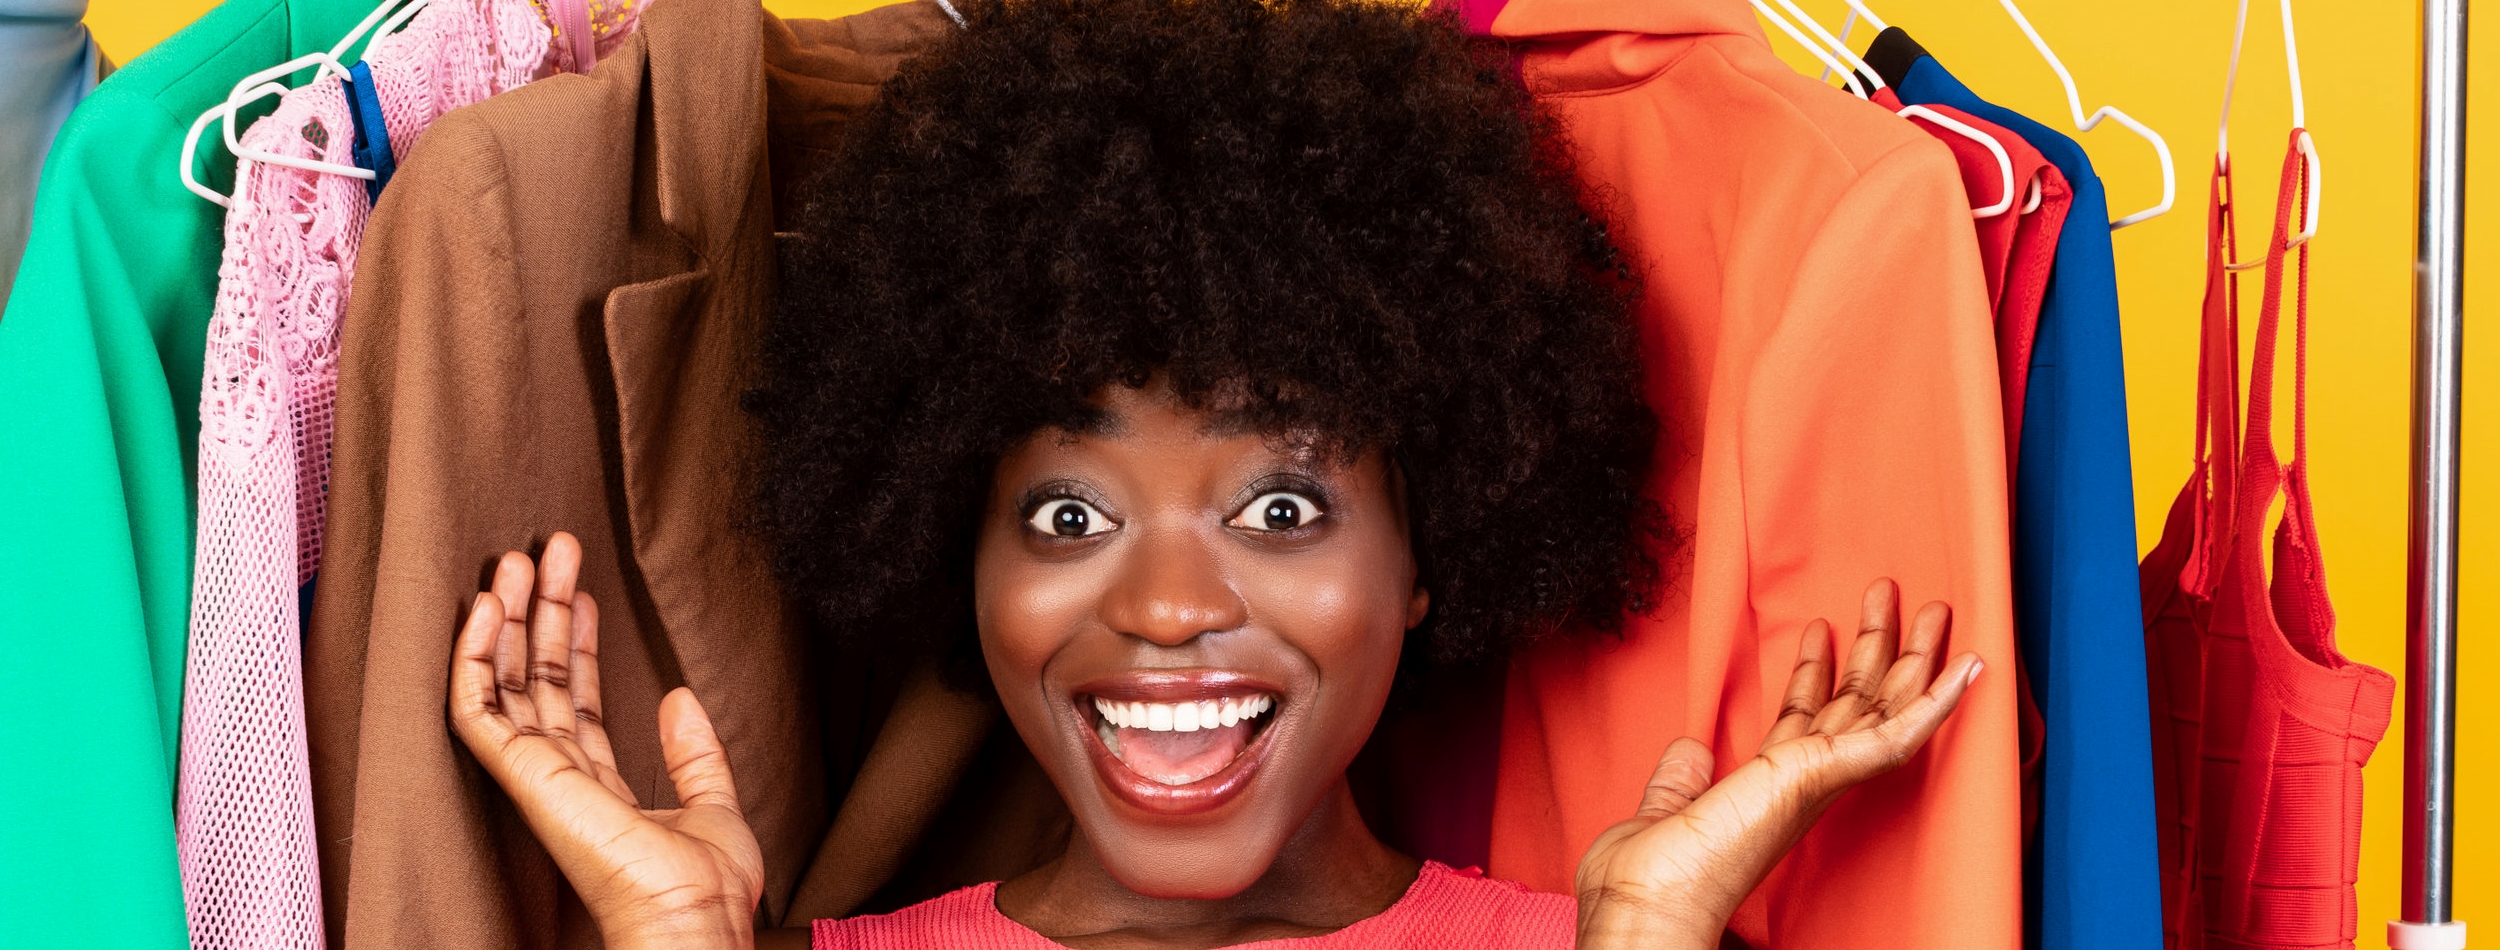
{"points": [[100, 349]]}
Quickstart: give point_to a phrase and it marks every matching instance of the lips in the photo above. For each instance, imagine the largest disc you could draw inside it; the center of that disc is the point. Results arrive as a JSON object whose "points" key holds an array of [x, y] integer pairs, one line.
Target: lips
{"points": [[1177, 742]]}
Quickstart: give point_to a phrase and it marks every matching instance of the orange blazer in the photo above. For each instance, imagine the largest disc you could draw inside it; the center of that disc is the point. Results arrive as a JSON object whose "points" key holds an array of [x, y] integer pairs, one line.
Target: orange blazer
{"points": [[1822, 355]]}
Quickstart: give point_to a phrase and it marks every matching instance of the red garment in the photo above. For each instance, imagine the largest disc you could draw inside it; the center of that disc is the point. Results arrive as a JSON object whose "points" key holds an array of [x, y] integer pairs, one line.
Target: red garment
{"points": [[2026, 282], [2262, 829], [2180, 575], [1444, 909], [2015, 248]]}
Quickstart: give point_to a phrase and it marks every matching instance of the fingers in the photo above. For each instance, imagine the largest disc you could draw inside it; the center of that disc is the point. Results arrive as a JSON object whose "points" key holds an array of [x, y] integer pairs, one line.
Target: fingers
{"points": [[1808, 685], [589, 716], [514, 577], [1682, 775], [550, 665], [476, 709], [1916, 667], [1870, 656], [697, 764], [481, 715], [517, 655], [1881, 749]]}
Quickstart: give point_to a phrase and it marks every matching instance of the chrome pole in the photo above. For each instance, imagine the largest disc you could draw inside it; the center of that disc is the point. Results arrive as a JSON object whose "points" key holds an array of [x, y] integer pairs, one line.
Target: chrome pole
{"points": [[2431, 569]]}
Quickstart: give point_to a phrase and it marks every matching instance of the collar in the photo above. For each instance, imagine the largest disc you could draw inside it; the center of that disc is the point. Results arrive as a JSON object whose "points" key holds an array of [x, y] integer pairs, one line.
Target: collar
{"points": [[706, 95], [726, 78]]}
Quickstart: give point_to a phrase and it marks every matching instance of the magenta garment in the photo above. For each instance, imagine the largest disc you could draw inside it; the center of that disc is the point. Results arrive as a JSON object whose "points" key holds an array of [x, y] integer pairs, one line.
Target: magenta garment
{"points": [[1444, 909], [243, 815]]}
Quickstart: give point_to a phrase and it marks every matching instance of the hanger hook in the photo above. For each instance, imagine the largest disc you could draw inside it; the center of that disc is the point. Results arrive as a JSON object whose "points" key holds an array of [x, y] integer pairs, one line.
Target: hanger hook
{"points": [[2074, 105], [2308, 144]]}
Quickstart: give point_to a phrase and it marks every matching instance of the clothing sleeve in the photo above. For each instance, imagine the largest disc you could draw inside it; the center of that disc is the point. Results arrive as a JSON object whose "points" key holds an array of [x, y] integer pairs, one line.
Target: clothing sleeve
{"points": [[1867, 441], [99, 396]]}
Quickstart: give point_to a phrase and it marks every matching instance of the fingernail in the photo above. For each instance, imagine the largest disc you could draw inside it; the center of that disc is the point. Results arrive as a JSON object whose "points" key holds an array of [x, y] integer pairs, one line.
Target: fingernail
{"points": [[1976, 665]]}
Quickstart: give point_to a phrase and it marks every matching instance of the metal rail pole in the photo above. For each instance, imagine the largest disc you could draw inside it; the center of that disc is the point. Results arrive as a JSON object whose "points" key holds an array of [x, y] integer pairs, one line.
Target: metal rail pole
{"points": [[2431, 569]]}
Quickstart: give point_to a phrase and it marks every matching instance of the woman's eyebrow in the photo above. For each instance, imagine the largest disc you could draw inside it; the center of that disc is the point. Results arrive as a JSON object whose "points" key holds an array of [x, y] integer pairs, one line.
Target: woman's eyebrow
{"points": [[1249, 420]]}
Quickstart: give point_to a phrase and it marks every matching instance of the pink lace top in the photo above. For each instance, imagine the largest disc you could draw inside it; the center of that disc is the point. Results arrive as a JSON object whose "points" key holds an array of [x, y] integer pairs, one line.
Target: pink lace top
{"points": [[243, 814], [1444, 909]]}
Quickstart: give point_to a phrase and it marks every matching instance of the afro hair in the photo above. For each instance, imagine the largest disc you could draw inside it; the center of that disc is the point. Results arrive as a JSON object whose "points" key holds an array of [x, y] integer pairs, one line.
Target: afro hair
{"points": [[1340, 211]]}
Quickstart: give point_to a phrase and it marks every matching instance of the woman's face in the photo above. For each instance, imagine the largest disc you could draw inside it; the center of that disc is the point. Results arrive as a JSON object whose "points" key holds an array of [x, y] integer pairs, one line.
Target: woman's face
{"points": [[1194, 627]]}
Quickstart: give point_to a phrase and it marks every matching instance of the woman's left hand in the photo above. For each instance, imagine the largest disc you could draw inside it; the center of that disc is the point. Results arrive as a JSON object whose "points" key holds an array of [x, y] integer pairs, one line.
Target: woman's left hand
{"points": [[1672, 874]]}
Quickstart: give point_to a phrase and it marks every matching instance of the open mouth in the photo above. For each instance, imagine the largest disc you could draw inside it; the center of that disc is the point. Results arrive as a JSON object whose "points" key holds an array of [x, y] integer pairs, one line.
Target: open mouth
{"points": [[1181, 743], [1177, 742]]}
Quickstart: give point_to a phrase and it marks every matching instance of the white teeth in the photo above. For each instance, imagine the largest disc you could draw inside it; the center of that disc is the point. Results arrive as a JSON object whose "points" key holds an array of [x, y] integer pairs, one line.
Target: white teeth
{"points": [[1182, 717], [1110, 735]]}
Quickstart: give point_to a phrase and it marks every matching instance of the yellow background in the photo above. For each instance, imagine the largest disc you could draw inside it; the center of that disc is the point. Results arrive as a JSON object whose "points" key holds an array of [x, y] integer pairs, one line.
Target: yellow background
{"points": [[2163, 62]]}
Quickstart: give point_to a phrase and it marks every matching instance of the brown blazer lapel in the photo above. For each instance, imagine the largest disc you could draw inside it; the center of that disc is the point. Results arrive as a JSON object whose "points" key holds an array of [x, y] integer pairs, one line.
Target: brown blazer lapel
{"points": [[680, 345]]}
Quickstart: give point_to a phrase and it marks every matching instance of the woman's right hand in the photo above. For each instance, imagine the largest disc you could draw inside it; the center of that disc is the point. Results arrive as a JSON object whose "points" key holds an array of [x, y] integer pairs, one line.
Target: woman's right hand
{"points": [[525, 699]]}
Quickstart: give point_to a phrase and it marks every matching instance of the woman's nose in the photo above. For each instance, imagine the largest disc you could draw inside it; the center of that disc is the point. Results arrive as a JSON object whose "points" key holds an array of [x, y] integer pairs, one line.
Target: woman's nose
{"points": [[1171, 588]]}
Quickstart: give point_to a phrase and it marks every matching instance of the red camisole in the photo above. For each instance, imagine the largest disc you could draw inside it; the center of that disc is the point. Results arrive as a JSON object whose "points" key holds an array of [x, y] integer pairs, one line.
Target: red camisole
{"points": [[1445, 909], [2261, 726]]}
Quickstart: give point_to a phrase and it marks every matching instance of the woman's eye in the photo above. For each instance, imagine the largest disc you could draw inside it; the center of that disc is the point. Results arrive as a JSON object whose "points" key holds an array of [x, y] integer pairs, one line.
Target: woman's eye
{"points": [[1069, 518], [1277, 511]]}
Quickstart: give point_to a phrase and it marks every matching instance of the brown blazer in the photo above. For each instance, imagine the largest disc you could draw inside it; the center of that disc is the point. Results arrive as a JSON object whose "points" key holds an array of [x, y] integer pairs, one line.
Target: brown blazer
{"points": [[549, 329]]}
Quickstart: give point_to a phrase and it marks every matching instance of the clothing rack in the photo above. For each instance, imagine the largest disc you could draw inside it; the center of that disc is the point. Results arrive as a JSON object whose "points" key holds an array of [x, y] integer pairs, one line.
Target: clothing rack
{"points": [[2431, 568]]}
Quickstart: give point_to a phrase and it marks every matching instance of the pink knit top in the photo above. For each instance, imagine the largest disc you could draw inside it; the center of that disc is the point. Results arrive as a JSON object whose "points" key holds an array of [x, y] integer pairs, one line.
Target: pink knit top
{"points": [[1444, 909], [243, 823]]}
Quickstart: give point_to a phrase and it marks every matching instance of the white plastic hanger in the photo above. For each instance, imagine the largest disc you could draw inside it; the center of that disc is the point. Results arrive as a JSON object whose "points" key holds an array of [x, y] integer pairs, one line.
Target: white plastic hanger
{"points": [[1849, 24], [2074, 103], [260, 85], [1857, 67], [256, 86], [2300, 120], [1813, 49], [225, 110]]}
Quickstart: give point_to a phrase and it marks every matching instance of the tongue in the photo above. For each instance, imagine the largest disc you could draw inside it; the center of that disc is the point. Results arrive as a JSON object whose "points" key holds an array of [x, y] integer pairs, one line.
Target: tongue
{"points": [[1180, 758]]}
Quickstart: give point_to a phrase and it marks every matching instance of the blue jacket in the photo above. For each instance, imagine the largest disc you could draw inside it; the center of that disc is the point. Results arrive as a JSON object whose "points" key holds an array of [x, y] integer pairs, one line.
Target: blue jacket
{"points": [[2093, 878]]}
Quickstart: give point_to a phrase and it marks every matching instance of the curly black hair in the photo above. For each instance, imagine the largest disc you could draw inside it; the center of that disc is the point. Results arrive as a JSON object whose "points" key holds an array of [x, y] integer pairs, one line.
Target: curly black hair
{"points": [[1340, 211]]}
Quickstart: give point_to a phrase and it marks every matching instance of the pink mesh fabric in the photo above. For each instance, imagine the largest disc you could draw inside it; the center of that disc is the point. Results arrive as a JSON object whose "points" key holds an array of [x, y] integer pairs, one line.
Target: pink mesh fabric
{"points": [[243, 814]]}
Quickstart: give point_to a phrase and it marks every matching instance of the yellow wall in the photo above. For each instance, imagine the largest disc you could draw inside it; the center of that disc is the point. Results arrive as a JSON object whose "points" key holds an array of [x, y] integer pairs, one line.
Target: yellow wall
{"points": [[2163, 61]]}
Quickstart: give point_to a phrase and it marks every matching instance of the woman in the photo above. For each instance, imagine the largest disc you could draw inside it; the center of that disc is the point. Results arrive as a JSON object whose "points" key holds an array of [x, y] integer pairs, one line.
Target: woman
{"points": [[1186, 369]]}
